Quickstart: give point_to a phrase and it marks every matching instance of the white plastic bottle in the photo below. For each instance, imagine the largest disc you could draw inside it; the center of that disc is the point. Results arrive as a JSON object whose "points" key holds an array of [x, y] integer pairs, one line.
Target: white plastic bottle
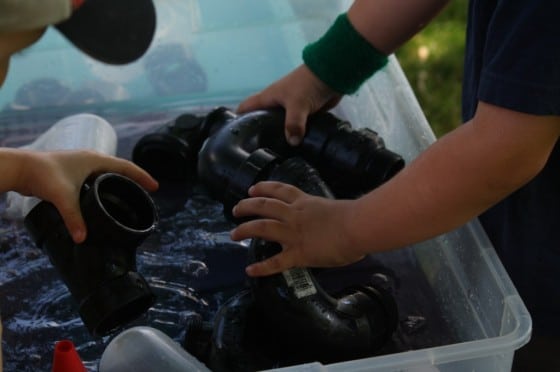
{"points": [[75, 132], [146, 349]]}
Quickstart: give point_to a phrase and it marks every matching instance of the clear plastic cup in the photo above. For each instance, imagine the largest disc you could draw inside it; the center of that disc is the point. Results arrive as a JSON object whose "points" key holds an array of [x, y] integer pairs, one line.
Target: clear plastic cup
{"points": [[146, 349], [76, 132]]}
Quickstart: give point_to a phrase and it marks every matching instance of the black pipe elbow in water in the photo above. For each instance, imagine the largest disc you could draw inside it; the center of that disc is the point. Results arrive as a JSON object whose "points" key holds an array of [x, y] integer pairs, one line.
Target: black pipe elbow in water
{"points": [[305, 319], [289, 319], [352, 162], [269, 326], [309, 324], [101, 272]]}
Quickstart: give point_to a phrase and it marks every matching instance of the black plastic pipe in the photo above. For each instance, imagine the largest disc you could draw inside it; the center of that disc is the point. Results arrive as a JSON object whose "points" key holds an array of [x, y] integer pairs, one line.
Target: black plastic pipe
{"points": [[101, 273], [351, 161]]}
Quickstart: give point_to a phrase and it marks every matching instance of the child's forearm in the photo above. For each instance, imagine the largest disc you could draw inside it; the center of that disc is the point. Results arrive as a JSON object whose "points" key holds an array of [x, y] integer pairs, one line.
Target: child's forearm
{"points": [[358, 43], [457, 178], [387, 24]]}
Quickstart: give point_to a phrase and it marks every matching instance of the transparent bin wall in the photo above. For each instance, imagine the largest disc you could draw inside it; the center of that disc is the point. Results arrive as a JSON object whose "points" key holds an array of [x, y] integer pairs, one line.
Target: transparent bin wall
{"points": [[202, 49], [213, 52]]}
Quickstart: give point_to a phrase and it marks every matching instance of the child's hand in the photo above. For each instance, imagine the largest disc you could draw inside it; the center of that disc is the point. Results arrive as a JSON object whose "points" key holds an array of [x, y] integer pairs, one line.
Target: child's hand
{"points": [[313, 231], [58, 176], [300, 93]]}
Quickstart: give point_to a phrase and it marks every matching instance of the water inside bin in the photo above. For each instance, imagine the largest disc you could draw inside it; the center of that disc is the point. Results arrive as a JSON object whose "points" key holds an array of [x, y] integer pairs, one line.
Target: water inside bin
{"points": [[193, 267]]}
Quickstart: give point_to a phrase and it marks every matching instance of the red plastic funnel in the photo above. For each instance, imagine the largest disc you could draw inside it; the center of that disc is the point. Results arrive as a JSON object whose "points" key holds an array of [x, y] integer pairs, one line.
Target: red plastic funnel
{"points": [[66, 358]]}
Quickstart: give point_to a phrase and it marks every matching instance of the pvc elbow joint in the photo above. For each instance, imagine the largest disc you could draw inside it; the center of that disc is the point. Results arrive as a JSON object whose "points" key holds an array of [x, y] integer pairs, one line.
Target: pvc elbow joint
{"points": [[351, 162], [309, 324]]}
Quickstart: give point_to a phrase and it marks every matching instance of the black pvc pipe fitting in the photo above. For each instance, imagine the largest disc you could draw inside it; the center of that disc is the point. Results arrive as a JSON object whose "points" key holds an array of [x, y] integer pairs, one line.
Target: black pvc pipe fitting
{"points": [[306, 319], [352, 162], [170, 154], [311, 325], [101, 273]]}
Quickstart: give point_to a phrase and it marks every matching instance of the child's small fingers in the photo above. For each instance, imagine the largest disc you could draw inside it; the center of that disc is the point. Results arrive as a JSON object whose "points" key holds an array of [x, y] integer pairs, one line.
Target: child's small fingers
{"points": [[273, 265], [261, 228], [295, 125], [147, 182], [132, 171], [257, 101], [276, 190], [70, 213], [262, 207]]}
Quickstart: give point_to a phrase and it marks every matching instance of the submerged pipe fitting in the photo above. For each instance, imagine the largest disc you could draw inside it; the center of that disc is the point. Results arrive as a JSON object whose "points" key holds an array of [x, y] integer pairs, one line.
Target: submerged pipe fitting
{"points": [[101, 273], [269, 326], [311, 325], [306, 320]]}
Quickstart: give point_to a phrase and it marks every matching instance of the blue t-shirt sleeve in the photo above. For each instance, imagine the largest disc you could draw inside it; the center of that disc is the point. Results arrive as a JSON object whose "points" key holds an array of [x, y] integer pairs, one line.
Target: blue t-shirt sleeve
{"points": [[521, 57]]}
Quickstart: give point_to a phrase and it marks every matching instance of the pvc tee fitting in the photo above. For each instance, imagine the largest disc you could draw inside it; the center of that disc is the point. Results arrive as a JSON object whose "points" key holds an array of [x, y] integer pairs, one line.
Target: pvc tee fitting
{"points": [[101, 273]]}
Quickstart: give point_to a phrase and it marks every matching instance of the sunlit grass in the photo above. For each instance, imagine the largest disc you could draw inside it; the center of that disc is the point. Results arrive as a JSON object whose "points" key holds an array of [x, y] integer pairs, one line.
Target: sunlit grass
{"points": [[433, 64]]}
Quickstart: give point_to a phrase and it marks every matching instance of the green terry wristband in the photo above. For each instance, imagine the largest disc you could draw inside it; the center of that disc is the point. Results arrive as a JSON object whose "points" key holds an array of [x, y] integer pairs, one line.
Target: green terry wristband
{"points": [[342, 58]]}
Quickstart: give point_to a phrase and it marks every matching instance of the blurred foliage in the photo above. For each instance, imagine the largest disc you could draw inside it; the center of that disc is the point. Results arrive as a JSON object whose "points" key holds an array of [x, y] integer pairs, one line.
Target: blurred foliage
{"points": [[433, 64]]}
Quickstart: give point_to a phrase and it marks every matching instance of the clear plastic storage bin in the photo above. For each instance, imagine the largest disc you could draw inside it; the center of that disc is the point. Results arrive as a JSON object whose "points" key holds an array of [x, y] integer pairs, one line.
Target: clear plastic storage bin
{"points": [[213, 52]]}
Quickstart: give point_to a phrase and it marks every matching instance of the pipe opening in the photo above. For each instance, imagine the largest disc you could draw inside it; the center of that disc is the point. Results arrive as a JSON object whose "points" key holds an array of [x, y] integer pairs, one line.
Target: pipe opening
{"points": [[126, 202]]}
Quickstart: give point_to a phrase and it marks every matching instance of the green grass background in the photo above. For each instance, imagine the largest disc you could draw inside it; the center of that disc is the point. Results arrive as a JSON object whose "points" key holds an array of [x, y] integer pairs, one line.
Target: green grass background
{"points": [[433, 64]]}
